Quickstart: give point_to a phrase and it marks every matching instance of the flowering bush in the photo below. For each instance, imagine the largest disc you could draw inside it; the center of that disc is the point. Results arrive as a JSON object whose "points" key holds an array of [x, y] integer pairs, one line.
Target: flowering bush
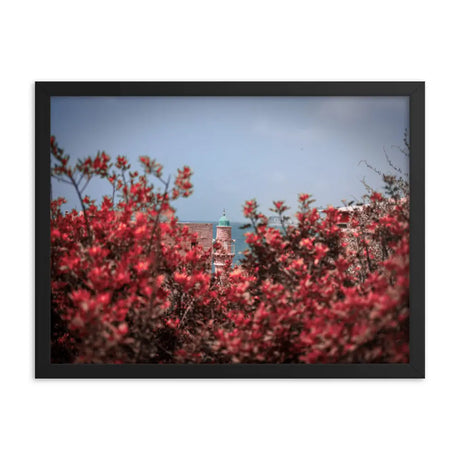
{"points": [[131, 285], [308, 298], [125, 276]]}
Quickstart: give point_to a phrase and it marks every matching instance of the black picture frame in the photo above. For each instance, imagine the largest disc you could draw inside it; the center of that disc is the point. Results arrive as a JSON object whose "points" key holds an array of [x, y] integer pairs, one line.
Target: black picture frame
{"points": [[43, 366]]}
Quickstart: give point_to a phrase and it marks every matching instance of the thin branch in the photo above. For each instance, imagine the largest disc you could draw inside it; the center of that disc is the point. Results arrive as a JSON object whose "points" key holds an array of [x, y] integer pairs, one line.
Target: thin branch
{"points": [[80, 178], [157, 219], [391, 163], [84, 187], [125, 189], [62, 180], [88, 230]]}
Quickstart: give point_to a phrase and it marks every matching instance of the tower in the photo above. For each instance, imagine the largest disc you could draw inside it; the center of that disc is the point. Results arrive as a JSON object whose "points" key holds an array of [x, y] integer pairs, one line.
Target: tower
{"points": [[226, 249]]}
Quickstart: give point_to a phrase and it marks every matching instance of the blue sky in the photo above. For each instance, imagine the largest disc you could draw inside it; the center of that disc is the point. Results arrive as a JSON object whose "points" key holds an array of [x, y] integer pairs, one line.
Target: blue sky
{"points": [[269, 148]]}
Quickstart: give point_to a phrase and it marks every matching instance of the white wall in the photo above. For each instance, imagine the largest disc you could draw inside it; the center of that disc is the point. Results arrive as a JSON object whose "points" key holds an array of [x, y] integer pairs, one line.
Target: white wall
{"points": [[238, 40]]}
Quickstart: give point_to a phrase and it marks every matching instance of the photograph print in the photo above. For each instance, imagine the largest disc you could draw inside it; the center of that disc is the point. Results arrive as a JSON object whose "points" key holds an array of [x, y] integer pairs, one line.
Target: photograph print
{"points": [[229, 230]]}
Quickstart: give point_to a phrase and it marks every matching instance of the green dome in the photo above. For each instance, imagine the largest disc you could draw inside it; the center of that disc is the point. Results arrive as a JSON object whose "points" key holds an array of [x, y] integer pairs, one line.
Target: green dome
{"points": [[223, 221]]}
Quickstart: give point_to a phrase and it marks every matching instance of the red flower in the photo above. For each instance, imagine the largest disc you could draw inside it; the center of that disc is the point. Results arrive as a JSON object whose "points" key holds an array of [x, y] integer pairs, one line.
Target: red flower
{"points": [[303, 197], [249, 208]]}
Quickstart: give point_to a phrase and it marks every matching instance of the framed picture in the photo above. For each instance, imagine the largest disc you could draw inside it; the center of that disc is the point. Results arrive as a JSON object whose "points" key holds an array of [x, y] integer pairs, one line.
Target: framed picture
{"points": [[230, 230]]}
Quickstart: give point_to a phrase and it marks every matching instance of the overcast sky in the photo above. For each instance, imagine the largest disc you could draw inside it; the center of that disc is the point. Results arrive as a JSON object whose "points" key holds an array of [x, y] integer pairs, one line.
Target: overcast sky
{"points": [[269, 148]]}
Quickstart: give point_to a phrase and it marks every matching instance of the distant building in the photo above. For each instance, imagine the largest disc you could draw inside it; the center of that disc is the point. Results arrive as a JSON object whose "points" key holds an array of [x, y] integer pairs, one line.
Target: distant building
{"points": [[226, 246], [225, 250], [204, 232]]}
